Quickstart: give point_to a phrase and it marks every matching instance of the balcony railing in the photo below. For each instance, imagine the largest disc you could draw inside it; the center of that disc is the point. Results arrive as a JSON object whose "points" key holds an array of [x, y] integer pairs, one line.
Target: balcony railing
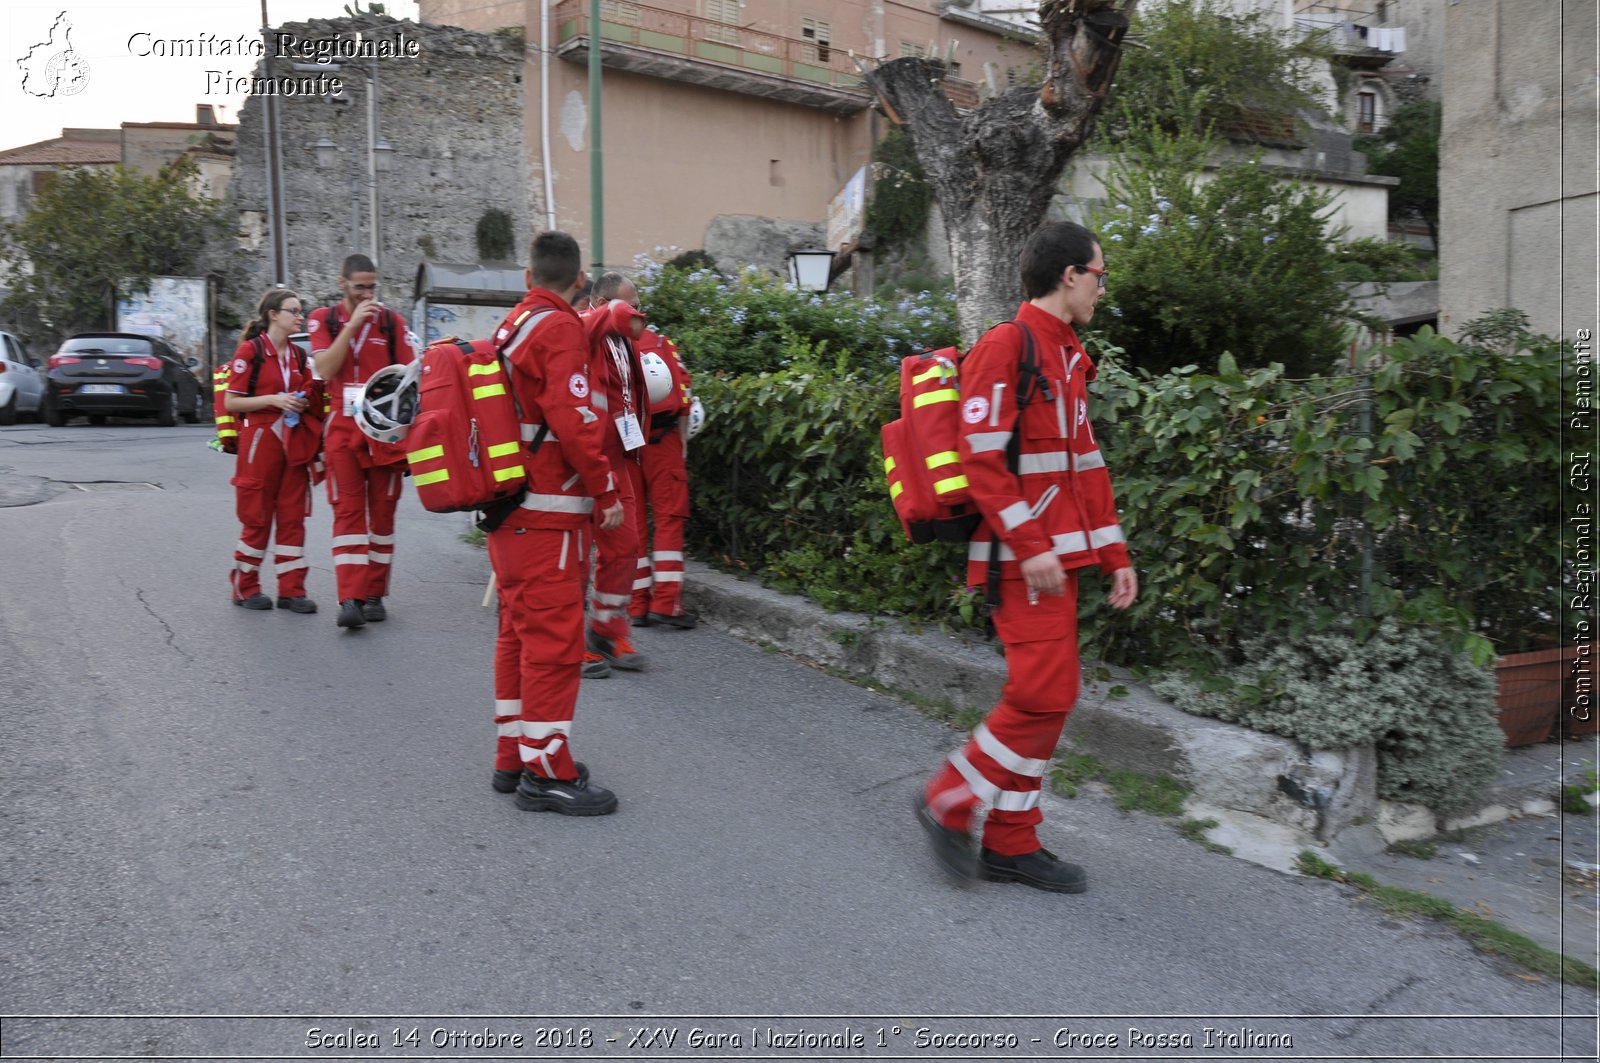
{"points": [[703, 51]]}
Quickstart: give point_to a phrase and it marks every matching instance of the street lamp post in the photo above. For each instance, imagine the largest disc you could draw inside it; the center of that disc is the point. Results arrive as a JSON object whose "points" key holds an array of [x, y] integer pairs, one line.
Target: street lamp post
{"points": [[379, 155], [811, 268]]}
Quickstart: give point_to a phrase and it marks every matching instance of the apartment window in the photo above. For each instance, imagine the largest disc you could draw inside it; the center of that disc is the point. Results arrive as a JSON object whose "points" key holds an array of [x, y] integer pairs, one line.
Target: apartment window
{"points": [[724, 18], [619, 11], [818, 35], [918, 50], [1366, 112]]}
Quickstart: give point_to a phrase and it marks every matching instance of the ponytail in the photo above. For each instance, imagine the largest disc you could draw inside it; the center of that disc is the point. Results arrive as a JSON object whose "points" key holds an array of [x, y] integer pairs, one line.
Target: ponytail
{"points": [[271, 301]]}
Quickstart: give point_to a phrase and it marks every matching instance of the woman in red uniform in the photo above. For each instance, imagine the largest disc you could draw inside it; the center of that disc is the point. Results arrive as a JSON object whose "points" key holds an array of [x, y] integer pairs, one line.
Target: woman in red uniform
{"points": [[268, 385]]}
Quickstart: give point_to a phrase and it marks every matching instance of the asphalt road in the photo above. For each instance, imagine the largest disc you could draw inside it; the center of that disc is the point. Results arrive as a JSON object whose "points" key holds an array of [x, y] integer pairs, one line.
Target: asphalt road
{"points": [[207, 812]]}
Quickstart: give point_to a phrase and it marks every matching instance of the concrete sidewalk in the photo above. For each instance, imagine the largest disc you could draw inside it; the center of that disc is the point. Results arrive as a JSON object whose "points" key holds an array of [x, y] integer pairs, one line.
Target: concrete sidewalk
{"points": [[1513, 856]]}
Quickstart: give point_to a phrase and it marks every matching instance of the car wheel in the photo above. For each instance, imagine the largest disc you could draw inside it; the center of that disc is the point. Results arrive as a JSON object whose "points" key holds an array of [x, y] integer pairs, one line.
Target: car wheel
{"points": [[195, 415], [53, 415], [8, 412], [169, 413], [97, 418]]}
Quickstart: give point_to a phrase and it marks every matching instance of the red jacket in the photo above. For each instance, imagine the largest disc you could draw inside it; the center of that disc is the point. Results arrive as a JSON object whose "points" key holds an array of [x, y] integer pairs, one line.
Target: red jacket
{"points": [[1060, 498], [619, 388], [550, 378], [370, 350]]}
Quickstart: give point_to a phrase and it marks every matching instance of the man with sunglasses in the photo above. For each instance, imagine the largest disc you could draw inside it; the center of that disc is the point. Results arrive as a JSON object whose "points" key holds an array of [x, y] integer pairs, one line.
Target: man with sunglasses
{"points": [[1040, 482], [352, 340]]}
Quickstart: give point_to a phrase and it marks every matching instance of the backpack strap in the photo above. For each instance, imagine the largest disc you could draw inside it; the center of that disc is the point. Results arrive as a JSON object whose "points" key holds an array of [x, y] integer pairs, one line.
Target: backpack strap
{"points": [[1029, 380], [255, 363]]}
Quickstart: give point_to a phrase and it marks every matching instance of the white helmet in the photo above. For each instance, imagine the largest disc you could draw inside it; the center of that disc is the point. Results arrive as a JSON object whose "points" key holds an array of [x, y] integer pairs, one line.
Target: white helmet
{"points": [[388, 403], [697, 418], [657, 377]]}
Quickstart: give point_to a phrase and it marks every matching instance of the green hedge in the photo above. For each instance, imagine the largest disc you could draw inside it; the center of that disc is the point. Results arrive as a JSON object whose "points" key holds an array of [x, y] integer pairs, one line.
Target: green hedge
{"points": [[1255, 504]]}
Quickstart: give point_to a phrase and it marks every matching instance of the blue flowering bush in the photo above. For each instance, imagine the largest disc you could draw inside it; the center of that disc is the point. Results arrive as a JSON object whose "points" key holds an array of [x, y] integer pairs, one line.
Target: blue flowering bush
{"points": [[751, 321]]}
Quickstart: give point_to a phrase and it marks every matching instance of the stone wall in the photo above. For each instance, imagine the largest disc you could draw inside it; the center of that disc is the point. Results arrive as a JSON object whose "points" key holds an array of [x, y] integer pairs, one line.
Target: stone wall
{"points": [[453, 116]]}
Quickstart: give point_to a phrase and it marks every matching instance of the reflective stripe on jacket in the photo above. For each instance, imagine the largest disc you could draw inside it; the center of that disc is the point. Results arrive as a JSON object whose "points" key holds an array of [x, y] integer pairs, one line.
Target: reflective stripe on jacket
{"points": [[1060, 497]]}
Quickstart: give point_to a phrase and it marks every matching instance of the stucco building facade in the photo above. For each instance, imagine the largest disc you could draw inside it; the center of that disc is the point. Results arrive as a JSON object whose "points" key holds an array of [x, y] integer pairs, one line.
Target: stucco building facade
{"points": [[1517, 174]]}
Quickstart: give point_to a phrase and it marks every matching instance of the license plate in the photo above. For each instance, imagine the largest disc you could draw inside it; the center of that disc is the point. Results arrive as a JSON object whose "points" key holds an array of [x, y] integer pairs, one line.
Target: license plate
{"points": [[102, 389]]}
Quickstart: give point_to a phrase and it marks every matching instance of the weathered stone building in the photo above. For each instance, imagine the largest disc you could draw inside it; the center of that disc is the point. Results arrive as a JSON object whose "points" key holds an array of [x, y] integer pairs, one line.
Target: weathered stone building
{"points": [[1517, 183], [450, 142]]}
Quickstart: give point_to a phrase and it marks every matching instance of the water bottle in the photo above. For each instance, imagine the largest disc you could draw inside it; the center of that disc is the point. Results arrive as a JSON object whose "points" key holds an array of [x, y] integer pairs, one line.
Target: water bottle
{"points": [[291, 418]]}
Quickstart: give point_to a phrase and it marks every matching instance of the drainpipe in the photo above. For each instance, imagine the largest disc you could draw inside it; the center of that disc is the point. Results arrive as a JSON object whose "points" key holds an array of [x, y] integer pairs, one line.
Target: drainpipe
{"points": [[544, 114], [597, 207]]}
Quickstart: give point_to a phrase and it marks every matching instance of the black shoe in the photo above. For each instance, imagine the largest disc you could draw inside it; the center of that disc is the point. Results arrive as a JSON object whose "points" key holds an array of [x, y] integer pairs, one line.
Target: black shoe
{"points": [[505, 782], [1040, 869], [952, 847], [301, 604], [255, 601], [350, 613], [538, 794], [373, 610], [682, 621], [641, 621]]}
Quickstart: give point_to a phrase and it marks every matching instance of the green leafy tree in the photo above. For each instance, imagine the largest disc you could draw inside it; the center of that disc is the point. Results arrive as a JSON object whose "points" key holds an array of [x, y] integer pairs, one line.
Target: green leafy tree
{"points": [[1408, 148], [1201, 67], [1240, 260], [96, 234]]}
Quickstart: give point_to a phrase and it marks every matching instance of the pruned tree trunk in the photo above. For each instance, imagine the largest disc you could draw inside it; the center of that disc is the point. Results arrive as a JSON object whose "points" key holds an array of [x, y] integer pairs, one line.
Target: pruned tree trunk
{"points": [[994, 171]]}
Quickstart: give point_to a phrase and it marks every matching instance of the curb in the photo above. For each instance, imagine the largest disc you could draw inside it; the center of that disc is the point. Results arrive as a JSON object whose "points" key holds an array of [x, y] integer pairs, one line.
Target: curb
{"points": [[1270, 796]]}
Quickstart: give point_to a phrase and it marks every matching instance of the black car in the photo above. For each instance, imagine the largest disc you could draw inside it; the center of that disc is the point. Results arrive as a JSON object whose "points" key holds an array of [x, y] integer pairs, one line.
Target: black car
{"points": [[100, 374]]}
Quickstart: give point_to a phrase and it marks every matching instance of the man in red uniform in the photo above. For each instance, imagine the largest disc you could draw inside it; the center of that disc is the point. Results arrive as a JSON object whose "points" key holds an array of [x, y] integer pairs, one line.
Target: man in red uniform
{"points": [[539, 552], [662, 484], [352, 340], [1041, 483], [621, 402]]}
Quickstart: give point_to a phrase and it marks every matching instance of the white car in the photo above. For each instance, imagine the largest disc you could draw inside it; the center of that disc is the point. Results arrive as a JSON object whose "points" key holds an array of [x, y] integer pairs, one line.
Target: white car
{"points": [[21, 386]]}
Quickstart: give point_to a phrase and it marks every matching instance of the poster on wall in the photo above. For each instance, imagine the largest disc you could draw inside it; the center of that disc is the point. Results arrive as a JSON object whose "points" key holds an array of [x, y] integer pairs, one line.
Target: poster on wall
{"points": [[174, 308]]}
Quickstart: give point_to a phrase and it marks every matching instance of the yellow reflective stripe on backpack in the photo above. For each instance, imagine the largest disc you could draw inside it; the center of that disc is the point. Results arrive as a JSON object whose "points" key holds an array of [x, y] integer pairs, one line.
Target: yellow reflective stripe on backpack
{"points": [[949, 457], [509, 473], [929, 374], [425, 454], [944, 487], [942, 395], [487, 369], [426, 478], [888, 465], [895, 489], [488, 391], [500, 450]]}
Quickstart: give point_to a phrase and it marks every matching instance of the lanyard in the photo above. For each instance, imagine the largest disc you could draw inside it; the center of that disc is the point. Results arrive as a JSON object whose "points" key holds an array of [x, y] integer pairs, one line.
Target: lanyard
{"points": [[360, 341], [284, 361], [619, 358]]}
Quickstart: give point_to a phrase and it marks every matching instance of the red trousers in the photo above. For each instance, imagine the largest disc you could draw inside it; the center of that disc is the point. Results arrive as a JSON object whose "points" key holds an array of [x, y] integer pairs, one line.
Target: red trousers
{"points": [[617, 557], [268, 491], [363, 500], [661, 481], [538, 653], [1001, 767]]}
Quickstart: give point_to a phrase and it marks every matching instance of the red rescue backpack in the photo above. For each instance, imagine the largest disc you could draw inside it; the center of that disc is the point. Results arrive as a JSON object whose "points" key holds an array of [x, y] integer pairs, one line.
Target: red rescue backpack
{"points": [[465, 448], [921, 449]]}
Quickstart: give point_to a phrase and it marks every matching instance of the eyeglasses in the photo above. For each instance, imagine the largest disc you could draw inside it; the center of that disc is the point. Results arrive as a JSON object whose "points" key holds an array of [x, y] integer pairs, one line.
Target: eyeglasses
{"points": [[364, 287], [1100, 275], [295, 310]]}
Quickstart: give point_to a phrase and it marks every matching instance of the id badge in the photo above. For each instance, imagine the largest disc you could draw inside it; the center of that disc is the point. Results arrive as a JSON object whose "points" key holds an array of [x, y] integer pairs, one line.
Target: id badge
{"points": [[628, 428], [351, 394]]}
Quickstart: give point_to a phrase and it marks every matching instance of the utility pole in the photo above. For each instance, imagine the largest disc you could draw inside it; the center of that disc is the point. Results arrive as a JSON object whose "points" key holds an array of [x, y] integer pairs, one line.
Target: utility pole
{"points": [[597, 207], [275, 218]]}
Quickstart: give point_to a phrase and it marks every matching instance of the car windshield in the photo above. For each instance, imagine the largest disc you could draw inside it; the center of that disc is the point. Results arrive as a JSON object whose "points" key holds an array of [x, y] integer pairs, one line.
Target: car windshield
{"points": [[105, 345]]}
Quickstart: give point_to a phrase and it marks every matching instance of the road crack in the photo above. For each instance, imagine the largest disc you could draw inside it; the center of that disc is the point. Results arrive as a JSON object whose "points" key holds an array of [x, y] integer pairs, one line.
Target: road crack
{"points": [[172, 636]]}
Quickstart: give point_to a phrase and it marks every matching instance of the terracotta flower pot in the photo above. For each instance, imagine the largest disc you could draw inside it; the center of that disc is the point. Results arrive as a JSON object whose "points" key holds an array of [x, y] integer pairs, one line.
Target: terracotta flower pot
{"points": [[1535, 691], [1528, 695]]}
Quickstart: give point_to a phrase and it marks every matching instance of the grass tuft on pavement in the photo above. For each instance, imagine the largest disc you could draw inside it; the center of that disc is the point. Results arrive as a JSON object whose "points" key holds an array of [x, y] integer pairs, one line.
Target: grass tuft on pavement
{"points": [[1485, 934]]}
